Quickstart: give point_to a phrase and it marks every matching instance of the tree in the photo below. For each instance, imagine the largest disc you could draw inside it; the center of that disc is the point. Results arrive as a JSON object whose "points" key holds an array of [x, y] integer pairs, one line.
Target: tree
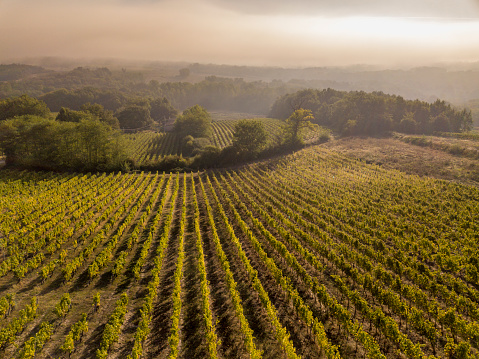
{"points": [[134, 117], [184, 73], [350, 128], [28, 140], [38, 142], [103, 115], [93, 136], [207, 157], [10, 140], [162, 110], [194, 121], [23, 105], [67, 115], [408, 124], [464, 122], [192, 146], [249, 136], [287, 104], [299, 120], [440, 123]]}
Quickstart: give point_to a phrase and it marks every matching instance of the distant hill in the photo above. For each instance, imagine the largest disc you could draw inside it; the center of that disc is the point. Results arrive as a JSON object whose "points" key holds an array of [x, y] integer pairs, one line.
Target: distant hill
{"points": [[240, 88], [455, 84], [14, 72]]}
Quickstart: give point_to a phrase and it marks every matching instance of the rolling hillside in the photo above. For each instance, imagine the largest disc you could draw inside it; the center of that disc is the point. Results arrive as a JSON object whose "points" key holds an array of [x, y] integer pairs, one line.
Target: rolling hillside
{"points": [[313, 255]]}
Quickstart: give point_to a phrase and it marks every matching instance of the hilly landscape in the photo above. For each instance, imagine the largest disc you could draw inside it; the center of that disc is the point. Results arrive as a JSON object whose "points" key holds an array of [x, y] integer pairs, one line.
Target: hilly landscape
{"points": [[342, 225], [314, 254], [190, 179]]}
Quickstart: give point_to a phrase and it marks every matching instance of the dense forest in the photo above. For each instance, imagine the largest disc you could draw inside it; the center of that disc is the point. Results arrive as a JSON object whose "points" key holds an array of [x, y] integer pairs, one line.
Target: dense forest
{"points": [[114, 89], [211, 93], [90, 138], [361, 113], [231, 88], [14, 72], [51, 130]]}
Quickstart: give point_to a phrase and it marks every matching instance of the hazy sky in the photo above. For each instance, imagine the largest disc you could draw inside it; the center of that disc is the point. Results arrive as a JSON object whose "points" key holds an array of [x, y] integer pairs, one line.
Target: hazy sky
{"points": [[251, 32]]}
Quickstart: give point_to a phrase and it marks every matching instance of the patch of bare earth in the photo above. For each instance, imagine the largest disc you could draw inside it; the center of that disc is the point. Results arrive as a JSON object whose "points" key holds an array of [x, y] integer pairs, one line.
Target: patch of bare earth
{"points": [[422, 161]]}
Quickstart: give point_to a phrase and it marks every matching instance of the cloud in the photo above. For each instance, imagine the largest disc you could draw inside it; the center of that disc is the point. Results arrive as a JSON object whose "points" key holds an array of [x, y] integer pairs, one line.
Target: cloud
{"points": [[402, 8]]}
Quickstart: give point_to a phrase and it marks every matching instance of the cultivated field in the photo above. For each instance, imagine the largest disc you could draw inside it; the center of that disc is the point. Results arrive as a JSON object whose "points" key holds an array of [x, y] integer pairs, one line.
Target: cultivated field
{"points": [[314, 254], [152, 146]]}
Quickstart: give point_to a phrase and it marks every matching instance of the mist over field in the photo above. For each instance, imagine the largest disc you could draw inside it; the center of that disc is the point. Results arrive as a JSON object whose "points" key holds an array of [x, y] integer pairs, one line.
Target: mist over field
{"points": [[274, 33]]}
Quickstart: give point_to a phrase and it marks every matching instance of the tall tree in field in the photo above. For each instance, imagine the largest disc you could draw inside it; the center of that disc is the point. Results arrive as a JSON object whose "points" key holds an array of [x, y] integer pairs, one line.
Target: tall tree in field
{"points": [[299, 120], [249, 136], [194, 121]]}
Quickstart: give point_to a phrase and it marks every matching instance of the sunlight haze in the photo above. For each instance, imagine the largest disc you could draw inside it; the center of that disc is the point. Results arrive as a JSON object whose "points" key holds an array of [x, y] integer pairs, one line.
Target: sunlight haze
{"points": [[278, 33]]}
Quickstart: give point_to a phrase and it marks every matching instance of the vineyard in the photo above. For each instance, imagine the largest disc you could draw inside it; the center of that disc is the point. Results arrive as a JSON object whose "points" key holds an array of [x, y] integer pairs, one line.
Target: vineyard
{"points": [[223, 130], [151, 146], [312, 255]]}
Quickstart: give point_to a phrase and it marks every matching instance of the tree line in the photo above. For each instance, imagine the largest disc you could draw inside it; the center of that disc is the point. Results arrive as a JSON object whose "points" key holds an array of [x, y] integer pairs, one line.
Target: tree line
{"points": [[114, 89], [80, 140], [89, 138], [30, 136], [135, 114], [376, 113], [250, 139], [44, 143], [213, 93]]}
